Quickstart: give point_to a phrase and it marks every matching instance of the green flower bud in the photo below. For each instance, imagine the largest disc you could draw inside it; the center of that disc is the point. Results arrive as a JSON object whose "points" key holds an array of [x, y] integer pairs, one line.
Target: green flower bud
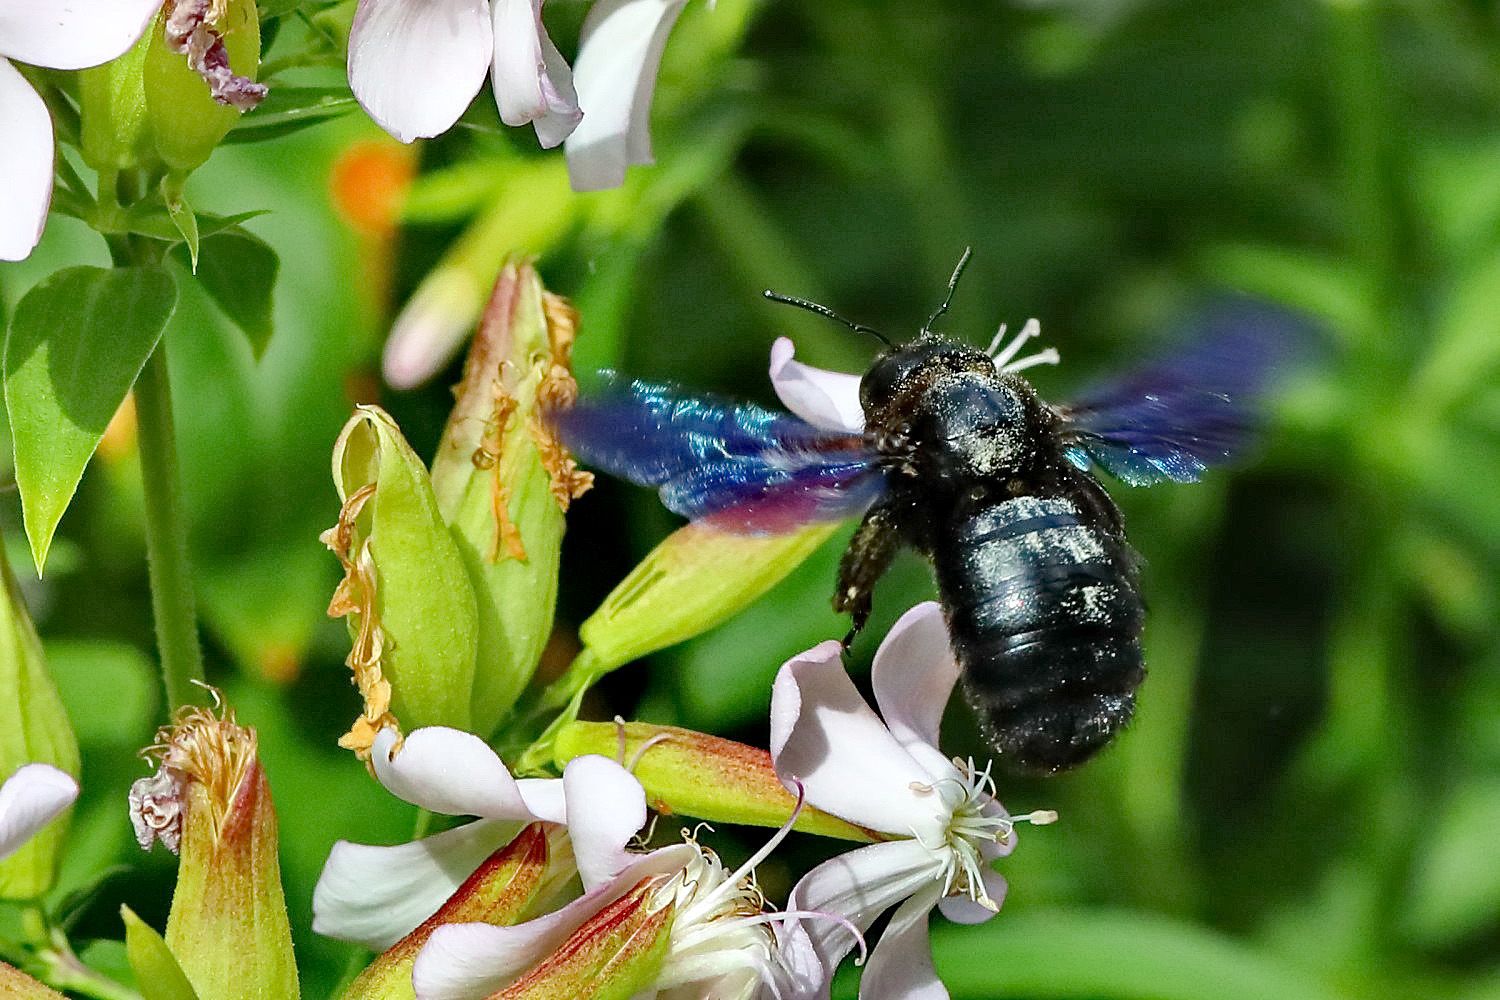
{"points": [[406, 590], [33, 729], [700, 775], [210, 801], [112, 108], [695, 579], [192, 99], [499, 892], [503, 481]]}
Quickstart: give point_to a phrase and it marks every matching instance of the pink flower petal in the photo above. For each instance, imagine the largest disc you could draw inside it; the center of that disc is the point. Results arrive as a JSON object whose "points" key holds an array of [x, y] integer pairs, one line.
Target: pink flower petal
{"points": [[963, 910], [531, 79], [901, 964], [825, 736], [469, 961], [448, 771], [432, 326], [375, 896], [71, 35], [31, 798], [416, 64], [913, 676], [606, 807], [823, 398], [615, 74], [25, 164]]}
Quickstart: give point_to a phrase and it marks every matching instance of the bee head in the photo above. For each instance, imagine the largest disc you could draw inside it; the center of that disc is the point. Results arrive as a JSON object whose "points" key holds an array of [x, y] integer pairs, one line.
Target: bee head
{"points": [[912, 368]]}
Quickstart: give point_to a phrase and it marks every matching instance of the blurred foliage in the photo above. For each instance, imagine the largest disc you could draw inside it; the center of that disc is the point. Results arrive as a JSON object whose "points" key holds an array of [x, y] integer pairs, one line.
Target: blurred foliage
{"points": [[1307, 803]]}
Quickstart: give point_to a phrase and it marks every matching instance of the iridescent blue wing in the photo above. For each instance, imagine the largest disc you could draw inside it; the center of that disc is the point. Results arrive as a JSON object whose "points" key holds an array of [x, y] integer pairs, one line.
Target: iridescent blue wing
{"points": [[1171, 420], [738, 466]]}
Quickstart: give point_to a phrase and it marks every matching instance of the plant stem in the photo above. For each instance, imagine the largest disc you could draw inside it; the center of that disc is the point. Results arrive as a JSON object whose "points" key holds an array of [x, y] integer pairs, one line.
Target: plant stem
{"points": [[172, 602]]}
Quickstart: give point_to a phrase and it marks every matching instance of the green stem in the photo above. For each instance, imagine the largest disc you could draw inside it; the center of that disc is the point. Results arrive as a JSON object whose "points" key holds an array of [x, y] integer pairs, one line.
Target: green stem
{"points": [[172, 602]]}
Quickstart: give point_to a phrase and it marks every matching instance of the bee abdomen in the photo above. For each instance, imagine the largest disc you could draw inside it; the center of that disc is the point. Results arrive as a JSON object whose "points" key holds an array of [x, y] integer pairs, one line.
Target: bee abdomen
{"points": [[1045, 619]]}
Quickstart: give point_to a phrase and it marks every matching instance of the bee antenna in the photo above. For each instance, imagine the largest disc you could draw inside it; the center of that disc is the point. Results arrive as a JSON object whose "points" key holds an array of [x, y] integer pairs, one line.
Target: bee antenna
{"points": [[822, 310], [963, 262]]}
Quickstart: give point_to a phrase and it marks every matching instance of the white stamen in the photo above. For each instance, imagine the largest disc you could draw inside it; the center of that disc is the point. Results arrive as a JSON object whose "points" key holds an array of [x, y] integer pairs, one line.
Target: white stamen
{"points": [[1003, 357]]}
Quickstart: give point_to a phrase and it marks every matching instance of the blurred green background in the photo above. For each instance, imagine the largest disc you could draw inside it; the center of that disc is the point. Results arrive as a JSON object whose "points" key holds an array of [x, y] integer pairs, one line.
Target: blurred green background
{"points": [[1308, 804]]}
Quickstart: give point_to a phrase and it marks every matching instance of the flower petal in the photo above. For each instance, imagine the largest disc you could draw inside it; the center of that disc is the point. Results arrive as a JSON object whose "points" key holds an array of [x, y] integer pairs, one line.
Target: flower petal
{"points": [[448, 771], [25, 164], [468, 961], [901, 964], [415, 65], [618, 57], [375, 896], [913, 676], [823, 398], [606, 807], [825, 736], [858, 885], [71, 35], [32, 797], [531, 79], [963, 910]]}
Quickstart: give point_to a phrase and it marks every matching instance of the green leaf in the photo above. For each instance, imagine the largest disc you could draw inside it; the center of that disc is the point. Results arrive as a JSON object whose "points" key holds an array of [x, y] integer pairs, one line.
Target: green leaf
{"points": [[291, 109], [76, 345], [157, 973], [151, 219], [186, 224], [238, 271]]}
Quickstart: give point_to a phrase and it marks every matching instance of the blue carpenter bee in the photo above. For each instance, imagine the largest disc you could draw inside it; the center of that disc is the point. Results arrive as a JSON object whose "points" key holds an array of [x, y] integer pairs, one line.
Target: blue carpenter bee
{"points": [[959, 458]]}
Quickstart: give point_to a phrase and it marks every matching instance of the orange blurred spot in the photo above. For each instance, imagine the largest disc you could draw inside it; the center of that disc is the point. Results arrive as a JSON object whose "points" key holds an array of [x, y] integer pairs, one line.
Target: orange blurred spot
{"points": [[369, 181], [119, 437]]}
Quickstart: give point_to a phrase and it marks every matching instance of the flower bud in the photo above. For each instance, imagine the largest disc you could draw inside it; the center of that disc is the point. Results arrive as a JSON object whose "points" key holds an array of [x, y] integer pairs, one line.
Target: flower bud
{"points": [[695, 579], [406, 591], [503, 480], [34, 729], [16, 984], [700, 775], [112, 108], [499, 892], [617, 954], [199, 76], [210, 801]]}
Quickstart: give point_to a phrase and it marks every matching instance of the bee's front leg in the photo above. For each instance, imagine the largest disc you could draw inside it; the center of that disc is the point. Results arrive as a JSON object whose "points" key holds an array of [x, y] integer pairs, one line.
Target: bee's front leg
{"points": [[866, 559]]}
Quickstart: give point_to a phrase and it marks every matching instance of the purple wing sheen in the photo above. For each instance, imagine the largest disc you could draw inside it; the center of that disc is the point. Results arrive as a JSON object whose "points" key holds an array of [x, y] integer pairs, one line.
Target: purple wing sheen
{"points": [[1171, 420], [739, 467]]}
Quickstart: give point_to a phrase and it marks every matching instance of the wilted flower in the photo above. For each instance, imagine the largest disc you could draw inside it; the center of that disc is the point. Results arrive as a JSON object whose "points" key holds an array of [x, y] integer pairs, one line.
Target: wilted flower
{"points": [[56, 36], [377, 895], [889, 776]]}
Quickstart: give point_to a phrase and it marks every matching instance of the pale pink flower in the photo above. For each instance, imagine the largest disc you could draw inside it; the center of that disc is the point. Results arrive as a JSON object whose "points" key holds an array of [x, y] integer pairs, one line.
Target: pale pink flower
{"points": [[30, 799]]}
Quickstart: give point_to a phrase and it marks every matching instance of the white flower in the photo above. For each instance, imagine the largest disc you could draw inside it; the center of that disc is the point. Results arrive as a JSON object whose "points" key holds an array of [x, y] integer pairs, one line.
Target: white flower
{"points": [[54, 35], [416, 64], [30, 799], [721, 944], [618, 58], [889, 776], [377, 895]]}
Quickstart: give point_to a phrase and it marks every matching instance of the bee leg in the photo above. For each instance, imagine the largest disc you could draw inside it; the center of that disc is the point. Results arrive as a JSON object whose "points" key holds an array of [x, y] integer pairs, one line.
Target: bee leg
{"points": [[865, 560]]}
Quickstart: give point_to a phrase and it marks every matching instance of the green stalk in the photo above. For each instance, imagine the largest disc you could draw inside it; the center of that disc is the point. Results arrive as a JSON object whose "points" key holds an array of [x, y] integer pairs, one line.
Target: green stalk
{"points": [[172, 602]]}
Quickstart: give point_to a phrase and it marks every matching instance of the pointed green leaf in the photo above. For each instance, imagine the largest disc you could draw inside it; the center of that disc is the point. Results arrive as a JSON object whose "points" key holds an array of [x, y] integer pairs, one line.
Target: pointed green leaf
{"points": [[156, 969], [239, 271], [186, 224], [76, 345]]}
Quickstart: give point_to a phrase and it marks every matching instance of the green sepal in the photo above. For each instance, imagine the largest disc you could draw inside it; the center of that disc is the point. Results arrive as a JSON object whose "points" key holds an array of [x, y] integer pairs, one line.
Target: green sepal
{"points": [[695, 579], [34, 728], [706, 777], [492, 486], [186, 122], [423, 600], [157, 974], [112, 109]]}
